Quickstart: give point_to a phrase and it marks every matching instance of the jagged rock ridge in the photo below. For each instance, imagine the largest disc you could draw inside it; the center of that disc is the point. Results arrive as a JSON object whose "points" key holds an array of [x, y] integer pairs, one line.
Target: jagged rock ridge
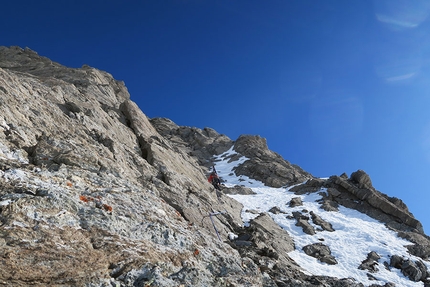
{"points": [[94, 193]]}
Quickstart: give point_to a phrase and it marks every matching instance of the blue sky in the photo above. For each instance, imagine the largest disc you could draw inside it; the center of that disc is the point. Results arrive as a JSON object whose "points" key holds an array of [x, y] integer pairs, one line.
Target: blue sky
{"points": [[334, 86]]}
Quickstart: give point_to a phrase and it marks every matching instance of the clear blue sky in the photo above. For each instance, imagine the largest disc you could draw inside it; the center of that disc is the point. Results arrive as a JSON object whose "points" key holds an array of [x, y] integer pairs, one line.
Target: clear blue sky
{"points": [[334, 86]]}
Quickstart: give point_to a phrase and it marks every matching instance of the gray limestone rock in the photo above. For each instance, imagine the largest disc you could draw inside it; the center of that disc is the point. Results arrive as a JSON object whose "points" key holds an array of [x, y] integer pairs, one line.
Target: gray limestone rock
{"points": [[100, 193], [275, 210], [411, 270], [321, 252], [362, 179], [303, 222], [316, 219], [265, 165], [371, 262], [295, 201], [421, 246], [376, 204], [311, 185], [237, 189], [414, 270]]}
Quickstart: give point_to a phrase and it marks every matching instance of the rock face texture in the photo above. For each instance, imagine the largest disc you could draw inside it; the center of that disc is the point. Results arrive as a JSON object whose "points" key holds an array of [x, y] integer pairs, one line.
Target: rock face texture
{"points": [[90, 191], [265, 165], [93, 193]]}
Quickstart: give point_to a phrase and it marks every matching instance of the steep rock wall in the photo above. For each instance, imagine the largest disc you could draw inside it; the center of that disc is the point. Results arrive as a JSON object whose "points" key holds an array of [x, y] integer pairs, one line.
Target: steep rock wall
{"points": [[93, 193]]}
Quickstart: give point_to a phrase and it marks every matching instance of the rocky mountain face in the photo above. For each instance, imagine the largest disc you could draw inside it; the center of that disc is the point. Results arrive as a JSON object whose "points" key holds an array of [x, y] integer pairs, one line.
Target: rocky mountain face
{"points": [[93, 193]]}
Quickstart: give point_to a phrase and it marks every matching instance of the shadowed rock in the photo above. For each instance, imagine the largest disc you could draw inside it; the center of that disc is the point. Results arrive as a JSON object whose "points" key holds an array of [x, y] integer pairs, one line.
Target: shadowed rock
{"points": [[295, 201], [265, 165], [359, 185], [414, 270], [303, 222], [321, 252], [371, 262], [238, 190], [316, 219]]}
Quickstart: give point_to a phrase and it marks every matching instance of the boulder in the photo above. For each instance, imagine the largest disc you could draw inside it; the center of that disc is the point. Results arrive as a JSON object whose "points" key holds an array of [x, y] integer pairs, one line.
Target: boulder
{"points": [[316, 219], [362, 179], [371, 262], [321, 252], [414, 270], [275, 210], [411, 270], [237, 189], [270, 235], [396, 261], [330, 205], [303, 222], [295, 201]]}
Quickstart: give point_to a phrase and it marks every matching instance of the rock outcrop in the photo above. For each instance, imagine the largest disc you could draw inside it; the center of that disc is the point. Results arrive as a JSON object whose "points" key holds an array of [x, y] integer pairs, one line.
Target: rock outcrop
{"points": [[265, 165], [202, 144], [360, 186], [93, 193]]}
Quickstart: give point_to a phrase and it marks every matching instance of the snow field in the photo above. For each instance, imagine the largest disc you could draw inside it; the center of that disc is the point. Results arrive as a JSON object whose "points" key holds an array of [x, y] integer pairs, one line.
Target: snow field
{"points": [[355, 235]]}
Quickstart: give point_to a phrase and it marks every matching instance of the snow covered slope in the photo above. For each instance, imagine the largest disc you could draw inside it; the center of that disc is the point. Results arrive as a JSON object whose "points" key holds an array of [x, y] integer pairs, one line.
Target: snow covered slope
{"points": [[355, 235]]}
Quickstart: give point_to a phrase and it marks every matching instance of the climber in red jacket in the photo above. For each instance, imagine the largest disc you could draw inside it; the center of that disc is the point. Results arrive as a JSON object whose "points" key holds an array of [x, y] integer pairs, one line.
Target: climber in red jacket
{"points": [[214, 180]]}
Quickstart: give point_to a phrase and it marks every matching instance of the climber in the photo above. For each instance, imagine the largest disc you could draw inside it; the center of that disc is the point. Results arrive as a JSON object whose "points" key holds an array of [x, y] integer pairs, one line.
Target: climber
{"points": [[214, 179], [216, 182]]}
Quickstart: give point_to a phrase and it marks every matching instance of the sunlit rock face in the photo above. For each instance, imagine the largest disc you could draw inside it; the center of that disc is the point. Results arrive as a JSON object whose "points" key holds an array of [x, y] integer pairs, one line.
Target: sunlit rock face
{"points": [[93, 193], [90, 191]]}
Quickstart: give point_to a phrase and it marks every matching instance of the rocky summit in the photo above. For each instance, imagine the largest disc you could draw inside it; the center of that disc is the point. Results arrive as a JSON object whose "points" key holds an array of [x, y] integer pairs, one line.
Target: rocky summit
{"points": [[94, 193]]}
